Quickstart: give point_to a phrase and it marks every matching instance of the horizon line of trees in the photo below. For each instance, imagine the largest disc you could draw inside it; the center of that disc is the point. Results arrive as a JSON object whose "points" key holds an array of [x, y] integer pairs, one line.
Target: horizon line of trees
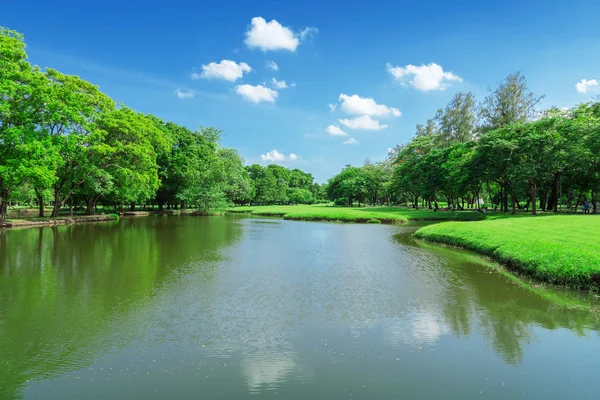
{"points": [[502, 151], [64, 142]]}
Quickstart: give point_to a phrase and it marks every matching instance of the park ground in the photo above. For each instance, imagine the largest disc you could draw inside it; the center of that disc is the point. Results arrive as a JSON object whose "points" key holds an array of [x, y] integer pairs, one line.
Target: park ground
{"points": [[387, 215]]}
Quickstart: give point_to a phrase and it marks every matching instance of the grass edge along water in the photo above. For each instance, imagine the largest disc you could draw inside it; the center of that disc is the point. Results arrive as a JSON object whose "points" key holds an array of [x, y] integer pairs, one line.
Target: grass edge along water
{"points": [[558, 249]]}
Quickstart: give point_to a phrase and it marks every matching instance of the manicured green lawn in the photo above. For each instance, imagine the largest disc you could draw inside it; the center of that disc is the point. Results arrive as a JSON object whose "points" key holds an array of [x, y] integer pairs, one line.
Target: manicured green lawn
{"points": [[557, 249], [355, 214]]}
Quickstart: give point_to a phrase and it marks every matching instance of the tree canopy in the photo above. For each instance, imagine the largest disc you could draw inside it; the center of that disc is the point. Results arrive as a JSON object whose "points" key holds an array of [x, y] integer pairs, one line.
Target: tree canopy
{"points": [[63, 141]]}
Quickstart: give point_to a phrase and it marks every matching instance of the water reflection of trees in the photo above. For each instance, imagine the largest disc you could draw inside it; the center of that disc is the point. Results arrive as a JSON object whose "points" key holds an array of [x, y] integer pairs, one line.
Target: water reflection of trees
{"points": [[63, 289], [506, 314]]}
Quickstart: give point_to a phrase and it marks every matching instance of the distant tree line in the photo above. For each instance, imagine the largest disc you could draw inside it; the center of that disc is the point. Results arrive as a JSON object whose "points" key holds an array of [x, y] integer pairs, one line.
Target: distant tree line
{"points": [[64, 142], [502, 152]]}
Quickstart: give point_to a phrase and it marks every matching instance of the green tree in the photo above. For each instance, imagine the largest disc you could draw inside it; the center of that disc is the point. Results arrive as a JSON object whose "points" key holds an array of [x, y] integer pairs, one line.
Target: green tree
{"points": [[204, 179], [457, 121], [22, 97], [236, 183], [512, 101], [73, 110], [123, 152], [265, 184]]}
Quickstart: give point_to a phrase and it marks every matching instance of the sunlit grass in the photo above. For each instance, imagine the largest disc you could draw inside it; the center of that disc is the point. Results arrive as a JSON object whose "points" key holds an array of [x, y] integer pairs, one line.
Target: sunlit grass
{"points": [[557, 249]]}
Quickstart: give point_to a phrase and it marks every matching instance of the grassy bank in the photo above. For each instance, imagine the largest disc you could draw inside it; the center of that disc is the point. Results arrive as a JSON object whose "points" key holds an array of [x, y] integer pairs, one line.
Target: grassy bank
{"points": [[386, 215], [562, 250]]}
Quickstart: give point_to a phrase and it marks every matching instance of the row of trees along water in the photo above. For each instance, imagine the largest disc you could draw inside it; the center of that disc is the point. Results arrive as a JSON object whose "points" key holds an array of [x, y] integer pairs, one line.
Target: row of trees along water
{"points": [[64, 142], [503, 152]]}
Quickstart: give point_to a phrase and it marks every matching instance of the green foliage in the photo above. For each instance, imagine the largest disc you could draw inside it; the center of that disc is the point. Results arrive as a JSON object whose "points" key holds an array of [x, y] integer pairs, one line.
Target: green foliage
{"points": [[275, 184], [300, 196], [510, 102], [511, 161], [62, 139]]}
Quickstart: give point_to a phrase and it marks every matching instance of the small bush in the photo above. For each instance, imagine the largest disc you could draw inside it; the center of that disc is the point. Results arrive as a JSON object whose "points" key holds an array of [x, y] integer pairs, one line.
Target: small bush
{"points": [[373, 221], [341, 202]]}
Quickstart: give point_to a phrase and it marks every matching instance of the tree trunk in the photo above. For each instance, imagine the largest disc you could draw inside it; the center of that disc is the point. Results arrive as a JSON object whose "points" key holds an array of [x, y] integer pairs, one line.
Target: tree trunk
{"points": [[40, 200], [514, 203], [132, 206], [57, 203], [543, 198], [416, 202], [555, 192], [89, 205], [3, 203], [578, 201], [505, 198], [533, 198]]}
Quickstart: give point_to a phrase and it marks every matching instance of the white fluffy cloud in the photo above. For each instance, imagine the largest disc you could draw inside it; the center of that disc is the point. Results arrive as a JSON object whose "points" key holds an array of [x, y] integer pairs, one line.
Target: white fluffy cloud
{"points": [[335, 131], [274, 36], [363, 122], [275, 156], [272, 65], [351, 141], [256, 93], [332, 107], [184, 94], [279, 84], [423, 77], [365, 106], [226, 69], [585, 86]]}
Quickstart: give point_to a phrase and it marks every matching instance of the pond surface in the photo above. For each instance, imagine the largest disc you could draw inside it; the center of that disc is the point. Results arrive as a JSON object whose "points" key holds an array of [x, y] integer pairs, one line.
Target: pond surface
{"points": [[233, 307]]}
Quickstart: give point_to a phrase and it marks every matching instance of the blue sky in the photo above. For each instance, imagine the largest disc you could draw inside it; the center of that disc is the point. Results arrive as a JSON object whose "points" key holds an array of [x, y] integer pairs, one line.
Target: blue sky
{"points": [[371, 59]]}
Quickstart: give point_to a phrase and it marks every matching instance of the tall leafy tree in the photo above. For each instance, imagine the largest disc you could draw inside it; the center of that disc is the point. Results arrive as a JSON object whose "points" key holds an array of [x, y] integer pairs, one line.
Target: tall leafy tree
{"points": [[457, 121], [512, 101], [73, 110], [236, 183], [22, 97]]}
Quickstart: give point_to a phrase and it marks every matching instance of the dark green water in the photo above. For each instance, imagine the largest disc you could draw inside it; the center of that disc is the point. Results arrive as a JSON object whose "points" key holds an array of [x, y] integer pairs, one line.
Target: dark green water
{"points": [[224, 307]]}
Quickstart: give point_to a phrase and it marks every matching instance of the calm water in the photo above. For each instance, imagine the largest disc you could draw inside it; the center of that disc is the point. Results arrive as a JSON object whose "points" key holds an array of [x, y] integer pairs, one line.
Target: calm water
{"points": [[224, 307]]}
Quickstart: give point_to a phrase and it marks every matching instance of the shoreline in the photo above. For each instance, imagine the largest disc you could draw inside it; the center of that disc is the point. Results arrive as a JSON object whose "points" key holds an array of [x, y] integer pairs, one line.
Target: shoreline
{"points": [[32, 223], [366, 215], [513, 267], [14, 223], [548, 259]]}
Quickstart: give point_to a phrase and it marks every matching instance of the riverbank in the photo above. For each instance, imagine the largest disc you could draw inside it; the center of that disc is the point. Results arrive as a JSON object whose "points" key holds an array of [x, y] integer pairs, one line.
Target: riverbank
{"points": [[34, 222], [383, 215], [562, 249]]}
